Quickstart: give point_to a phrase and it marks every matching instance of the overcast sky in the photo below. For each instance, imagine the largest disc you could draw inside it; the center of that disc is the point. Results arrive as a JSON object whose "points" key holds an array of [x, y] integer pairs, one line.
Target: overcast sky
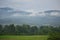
{"points": [[30, 11], [36, 5]]}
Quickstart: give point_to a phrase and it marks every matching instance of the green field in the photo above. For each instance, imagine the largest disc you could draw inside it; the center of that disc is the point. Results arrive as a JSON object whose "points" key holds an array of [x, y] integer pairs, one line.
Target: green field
{"points": [[41, 37]]}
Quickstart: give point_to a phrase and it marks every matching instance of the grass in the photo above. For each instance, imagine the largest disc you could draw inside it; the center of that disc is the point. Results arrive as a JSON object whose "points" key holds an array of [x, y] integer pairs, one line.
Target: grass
{"points": [[35, 37]]}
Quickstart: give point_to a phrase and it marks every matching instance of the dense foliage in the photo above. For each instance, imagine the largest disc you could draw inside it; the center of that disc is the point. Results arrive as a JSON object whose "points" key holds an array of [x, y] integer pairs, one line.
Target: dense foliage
{"points": [[27, 30], [54, 33]]}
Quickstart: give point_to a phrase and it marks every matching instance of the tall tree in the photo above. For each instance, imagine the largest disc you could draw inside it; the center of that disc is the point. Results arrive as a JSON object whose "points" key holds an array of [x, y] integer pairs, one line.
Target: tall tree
{"points": [[34, 30], [19, 30], [12, 29], [9, 29], [26, 29], [6, 30], [44, 30], [1, 27]]}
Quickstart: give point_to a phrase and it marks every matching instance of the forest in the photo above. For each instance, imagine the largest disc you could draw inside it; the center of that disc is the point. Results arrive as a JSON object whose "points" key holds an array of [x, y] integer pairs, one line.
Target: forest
{"points": [[53, 32], [27, 29]]}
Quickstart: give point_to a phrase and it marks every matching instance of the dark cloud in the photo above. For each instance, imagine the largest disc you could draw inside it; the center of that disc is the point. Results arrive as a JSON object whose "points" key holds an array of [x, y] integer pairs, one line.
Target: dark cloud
{"points": [[22, 12], [6, 8], [50, 11], [6, 12]]}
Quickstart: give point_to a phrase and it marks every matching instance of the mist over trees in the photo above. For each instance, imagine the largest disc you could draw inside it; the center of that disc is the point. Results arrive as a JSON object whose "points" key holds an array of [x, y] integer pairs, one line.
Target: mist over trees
{"points": [[27, 30]]}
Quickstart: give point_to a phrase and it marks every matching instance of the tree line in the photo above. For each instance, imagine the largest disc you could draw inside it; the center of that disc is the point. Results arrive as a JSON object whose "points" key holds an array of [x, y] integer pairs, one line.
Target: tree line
{"points": [[27, 30]]}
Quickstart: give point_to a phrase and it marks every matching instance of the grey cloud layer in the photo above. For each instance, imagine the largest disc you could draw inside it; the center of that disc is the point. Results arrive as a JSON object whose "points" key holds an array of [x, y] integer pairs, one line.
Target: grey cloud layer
{"points": [[8, 12], [9, 15]]}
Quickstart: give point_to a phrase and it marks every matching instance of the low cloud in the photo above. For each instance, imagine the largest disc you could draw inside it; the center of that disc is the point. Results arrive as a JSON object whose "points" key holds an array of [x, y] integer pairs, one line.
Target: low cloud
{"points": [[10, 12], [55, 14]]}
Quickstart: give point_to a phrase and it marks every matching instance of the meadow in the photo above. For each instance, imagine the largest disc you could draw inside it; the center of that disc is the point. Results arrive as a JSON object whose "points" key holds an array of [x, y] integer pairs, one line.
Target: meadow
{"points": [[34, 37]]}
